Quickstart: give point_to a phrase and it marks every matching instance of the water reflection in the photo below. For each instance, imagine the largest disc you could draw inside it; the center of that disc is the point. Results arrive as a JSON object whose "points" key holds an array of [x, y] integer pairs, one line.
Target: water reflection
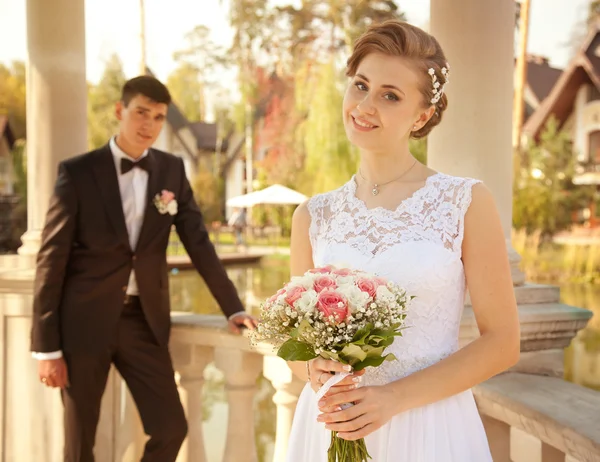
{"points": [[582, 357], [255, 283]]}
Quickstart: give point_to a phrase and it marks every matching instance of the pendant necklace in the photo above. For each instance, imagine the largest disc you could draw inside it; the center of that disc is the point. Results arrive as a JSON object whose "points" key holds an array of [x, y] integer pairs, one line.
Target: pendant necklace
{"points": [[376, 186]]}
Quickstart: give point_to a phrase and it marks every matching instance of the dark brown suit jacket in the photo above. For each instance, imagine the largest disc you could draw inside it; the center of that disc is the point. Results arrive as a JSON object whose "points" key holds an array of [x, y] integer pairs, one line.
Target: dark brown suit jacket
{"points": [[85, 259]]}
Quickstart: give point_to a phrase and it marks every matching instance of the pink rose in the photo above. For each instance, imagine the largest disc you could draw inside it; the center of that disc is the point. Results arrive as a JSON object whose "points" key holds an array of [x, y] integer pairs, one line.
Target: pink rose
{"points": [[323, 269], [166, 196], [294, 294], [380, 281], [273, 298], [343, 272], [367, 285], [324, 282], [332, 303]]}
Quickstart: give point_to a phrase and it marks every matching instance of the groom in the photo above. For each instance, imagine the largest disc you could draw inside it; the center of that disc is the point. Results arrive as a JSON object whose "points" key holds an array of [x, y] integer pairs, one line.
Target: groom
{"points": [[101, 293]]}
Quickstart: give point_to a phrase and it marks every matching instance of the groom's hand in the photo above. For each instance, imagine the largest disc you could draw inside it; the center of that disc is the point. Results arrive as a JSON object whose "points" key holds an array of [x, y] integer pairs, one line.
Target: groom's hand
{"points": [[240, 320], [53, 372]]}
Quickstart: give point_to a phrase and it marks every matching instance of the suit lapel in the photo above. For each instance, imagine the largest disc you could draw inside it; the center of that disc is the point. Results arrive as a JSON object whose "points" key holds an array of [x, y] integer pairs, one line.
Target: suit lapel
{"points": [[151, 214], [106, 176]]}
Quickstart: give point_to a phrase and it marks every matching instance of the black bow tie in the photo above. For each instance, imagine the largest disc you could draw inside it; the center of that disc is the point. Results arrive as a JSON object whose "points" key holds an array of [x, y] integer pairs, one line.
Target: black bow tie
{"points": [[143, 163]]}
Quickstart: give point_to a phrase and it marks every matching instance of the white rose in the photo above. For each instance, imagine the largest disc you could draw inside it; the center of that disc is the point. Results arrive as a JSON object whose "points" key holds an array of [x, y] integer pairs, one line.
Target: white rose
{"points": [[356, 297], [344, 281], [172, 207], [307, 302], [384, 295], [305, 281]]}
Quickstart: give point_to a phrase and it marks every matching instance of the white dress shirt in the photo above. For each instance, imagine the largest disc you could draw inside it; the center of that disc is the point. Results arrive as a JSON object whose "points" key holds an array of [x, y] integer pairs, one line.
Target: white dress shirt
{"points": [[133, 186]]}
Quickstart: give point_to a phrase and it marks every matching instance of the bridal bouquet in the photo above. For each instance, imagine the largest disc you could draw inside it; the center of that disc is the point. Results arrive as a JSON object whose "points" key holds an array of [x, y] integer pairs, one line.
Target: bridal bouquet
{"points": [[342, 314]]}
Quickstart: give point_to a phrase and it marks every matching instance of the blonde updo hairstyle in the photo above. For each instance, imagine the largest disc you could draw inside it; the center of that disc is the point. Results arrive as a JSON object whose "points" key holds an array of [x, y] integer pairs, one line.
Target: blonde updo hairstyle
{"points": [[397, 38]]}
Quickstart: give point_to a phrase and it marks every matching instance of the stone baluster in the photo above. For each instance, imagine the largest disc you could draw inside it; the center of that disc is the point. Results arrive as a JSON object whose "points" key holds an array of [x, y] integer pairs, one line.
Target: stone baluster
{"points": [[120, 435], [241, 370], [498, 435], [190, 362], [571, 459], [524, 447], [287, 391], [527, 448]]}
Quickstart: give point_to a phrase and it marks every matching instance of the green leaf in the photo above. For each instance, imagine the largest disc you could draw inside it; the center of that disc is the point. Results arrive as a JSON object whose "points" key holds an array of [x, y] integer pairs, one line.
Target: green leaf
{"points": [[373, 351], [331, 355], [293, 350], [352, 352], [375, 340], [303, 327], [361, 335], [373, 361]]}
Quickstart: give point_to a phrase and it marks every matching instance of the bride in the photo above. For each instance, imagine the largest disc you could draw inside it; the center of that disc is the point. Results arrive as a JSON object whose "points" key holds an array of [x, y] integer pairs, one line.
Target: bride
{"points": [[432, 233]]}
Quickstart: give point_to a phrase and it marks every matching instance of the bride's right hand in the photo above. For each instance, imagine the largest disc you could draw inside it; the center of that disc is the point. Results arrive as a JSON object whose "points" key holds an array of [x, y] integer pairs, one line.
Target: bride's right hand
{"points": [[321, 370]]}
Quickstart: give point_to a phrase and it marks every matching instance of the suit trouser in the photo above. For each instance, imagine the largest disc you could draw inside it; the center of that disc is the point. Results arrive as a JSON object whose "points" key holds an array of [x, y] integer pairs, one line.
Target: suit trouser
{"points": [[147, 369]]}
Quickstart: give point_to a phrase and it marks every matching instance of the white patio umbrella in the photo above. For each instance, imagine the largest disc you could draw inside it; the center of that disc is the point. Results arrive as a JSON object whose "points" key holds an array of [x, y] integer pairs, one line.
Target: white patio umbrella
{"points": [[272, 195]]}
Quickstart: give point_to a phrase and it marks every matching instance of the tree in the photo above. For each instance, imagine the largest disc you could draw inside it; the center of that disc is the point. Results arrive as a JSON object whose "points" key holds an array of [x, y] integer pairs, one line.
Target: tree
{"points": [[593, 12], [200, 65], [309, 39], [102, 122], [583, 27], [209, 192], [544, 195], [13, 97], [186, 89], [330, 158], [319, 29]]}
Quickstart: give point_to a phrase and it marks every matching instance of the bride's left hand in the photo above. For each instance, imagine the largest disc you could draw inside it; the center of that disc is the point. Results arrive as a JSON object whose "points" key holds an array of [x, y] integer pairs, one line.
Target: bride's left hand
{"points": [[370, 411]]}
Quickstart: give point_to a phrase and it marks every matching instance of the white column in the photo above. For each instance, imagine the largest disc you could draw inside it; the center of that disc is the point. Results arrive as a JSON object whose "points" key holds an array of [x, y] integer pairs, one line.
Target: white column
{"points": [[474, 138], [287, 391], [241, 370], [56, 101]]}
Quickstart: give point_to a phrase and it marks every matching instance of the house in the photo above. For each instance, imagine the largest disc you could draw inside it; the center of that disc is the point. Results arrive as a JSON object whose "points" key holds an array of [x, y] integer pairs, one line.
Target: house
{"points": [[574, 100], [200, 145], [541, 78]]}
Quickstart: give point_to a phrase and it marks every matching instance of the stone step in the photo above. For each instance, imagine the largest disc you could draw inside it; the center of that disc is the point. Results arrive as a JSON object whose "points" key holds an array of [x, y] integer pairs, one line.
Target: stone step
{"points": [[529, 294], [544, 326]]}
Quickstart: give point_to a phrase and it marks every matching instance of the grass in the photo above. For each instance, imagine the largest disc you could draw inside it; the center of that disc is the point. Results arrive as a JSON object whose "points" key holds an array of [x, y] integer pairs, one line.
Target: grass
{"points": [[557, 263], [225, 242]]}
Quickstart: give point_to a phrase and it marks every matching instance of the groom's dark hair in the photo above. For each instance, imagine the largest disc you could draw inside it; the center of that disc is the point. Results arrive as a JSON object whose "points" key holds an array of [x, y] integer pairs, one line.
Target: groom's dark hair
{"points": [[148, 86]]}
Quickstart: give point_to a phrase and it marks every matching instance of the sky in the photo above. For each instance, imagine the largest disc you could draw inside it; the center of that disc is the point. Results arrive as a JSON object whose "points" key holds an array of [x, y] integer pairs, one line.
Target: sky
{"points": [[113, 26]]}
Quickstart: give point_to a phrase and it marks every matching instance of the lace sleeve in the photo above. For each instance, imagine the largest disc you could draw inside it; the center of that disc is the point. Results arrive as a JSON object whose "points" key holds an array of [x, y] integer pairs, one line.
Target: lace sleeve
{"points": [[463, 201]]}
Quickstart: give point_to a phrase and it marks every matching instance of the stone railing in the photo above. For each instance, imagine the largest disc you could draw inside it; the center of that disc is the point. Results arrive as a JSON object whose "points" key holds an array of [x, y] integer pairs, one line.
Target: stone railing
{"points": [[198, 341], [531, 418], [530, 413], [528, 418]]}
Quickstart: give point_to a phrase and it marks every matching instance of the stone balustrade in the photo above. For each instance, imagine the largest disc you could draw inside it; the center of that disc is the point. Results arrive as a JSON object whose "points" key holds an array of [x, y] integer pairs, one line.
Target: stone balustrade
{"points": [[530, 413], [532, 418], [528, 418]]}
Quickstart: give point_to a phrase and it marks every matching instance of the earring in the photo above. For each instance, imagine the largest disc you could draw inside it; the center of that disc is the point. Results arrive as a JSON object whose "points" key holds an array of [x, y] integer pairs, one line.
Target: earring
{"points": [[414, 128]]}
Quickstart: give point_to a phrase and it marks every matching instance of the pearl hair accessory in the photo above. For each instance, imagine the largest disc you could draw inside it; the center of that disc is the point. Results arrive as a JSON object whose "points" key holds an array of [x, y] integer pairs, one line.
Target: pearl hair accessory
{"points": [[438, 89]]}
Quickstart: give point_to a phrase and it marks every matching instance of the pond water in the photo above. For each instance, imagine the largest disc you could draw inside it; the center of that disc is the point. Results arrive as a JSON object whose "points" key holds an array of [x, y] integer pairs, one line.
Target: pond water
{"points": [[257, 282]]}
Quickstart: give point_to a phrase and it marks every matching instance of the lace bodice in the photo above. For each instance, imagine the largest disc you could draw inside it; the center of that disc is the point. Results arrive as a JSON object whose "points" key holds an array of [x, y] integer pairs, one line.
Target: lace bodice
{"points": [[417, 245]]}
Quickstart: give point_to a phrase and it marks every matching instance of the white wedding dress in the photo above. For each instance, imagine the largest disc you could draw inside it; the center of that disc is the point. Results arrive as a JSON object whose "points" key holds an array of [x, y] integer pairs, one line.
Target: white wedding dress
{"points": [[418, 245]]}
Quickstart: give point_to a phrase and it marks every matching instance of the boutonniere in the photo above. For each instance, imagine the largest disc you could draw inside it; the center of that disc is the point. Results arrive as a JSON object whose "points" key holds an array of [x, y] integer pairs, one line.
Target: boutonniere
{"points": [[165, 202]]}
